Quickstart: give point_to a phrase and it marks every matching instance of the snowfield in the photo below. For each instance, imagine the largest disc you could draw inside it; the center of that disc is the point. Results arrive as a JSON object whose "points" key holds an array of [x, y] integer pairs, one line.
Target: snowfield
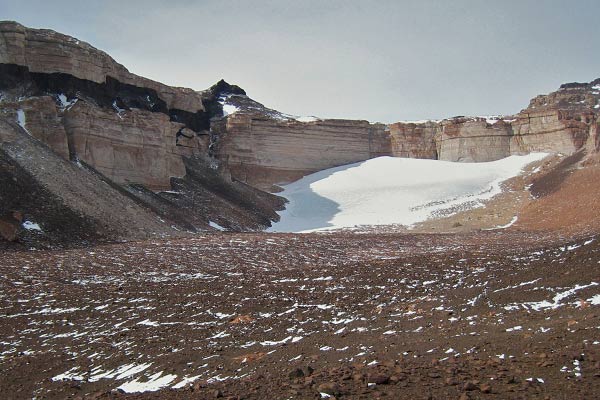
{"points": [[391, 190]]}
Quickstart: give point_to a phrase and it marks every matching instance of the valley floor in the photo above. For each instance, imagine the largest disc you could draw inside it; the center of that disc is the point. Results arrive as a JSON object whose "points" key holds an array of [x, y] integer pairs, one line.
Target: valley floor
{"points": [[486, 314]]}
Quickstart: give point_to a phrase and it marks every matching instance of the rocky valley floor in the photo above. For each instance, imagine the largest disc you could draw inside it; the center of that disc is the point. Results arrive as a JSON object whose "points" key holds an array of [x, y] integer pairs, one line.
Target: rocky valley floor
{"points": [[487, 314]]}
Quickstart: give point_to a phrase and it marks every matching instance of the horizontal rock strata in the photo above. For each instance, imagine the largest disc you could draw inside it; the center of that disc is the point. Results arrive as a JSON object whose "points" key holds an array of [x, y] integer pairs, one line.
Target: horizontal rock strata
{"points": [[263, 151], [46, 51]]}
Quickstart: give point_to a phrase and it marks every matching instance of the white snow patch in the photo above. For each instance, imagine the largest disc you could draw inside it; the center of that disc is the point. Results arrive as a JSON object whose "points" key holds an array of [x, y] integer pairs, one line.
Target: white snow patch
{"points": [[147, 322], [229, 109], [293, 339], [216, 226], [556, 300], [154, 383], [307, 119], [21, 120], [185, 382], [511, 223], [70, 375], [392, 190], [516, 328], [594, 300], [65, 104], [122, 372], [31, 226]]}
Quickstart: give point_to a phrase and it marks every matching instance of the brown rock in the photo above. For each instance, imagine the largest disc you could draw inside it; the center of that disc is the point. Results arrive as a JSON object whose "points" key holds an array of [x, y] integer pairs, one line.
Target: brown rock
{"points": [[46, 51], [378, 378], [135, 147], [414, 140], [330, 388], [9, 228], [485, 388], [296, 373], [263, 151]]}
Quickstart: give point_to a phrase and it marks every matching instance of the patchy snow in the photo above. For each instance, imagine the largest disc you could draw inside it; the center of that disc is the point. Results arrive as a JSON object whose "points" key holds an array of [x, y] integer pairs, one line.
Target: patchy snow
{"points": [[419, 121], [120, 111], [65, 104], [307, 119], [71, 375], [216, 226], [557, 299], [154, 383], [229, 109], [21, 119], [595, 300], [186, 382], [31, 226], [491, 119], [390, 190], [511, 223]]}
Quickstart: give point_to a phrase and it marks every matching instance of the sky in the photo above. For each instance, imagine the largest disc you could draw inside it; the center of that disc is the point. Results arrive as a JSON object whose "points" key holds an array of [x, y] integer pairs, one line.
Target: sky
{"points": [[382, 61]]}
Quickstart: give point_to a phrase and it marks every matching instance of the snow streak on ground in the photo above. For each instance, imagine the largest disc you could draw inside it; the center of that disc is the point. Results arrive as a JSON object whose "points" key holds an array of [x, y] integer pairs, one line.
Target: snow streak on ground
{"points": [[390, 190], [148, 316]]}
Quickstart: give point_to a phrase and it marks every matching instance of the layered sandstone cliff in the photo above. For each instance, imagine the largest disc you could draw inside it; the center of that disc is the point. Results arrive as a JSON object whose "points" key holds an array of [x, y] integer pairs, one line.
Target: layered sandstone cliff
{"points": [[264, 151], [197, 158], [564, 121], [47, 51], [137, 141]]}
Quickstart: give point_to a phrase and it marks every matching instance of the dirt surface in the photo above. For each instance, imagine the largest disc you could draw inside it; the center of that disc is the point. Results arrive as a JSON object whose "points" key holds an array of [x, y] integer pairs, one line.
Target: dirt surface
{"points": [[492, 314], [568, 200]]}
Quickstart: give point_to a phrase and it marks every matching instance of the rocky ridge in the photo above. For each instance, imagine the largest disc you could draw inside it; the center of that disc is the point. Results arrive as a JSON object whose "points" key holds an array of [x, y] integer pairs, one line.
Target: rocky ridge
{"points": [[264, 147]]}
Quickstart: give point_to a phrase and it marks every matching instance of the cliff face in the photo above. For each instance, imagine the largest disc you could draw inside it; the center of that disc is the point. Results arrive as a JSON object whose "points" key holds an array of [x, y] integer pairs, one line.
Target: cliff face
{"points": [[194, 159], [564, 122], [263, 151], [414, 140], [263, 147], [144, 144], [46, 51], [136, 146], [473, 140]]}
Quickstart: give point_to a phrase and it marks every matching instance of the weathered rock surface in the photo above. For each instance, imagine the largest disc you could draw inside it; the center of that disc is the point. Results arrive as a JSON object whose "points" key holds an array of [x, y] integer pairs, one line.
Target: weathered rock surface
{"points": [[47, 51], [130, 147], [264, 147], [9, 228], [39, 116], [473, 140], [264, 151], [123, 148], [414, 140], [551, 130]]}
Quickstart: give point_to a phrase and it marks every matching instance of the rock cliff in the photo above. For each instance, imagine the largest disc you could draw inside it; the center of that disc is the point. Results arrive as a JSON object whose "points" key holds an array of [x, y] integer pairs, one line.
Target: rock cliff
{"points": [[46, 51], [264, 151], [142, 144], [200, 159]]}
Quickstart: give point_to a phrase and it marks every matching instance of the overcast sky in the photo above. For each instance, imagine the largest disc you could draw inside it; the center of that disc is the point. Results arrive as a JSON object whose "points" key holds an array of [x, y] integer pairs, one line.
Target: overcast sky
{"points": [[376, 60]]}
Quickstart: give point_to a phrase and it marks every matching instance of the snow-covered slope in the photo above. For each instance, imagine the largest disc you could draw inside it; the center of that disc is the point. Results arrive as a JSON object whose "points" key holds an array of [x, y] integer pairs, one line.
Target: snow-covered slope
{"points": [[388, 190]]}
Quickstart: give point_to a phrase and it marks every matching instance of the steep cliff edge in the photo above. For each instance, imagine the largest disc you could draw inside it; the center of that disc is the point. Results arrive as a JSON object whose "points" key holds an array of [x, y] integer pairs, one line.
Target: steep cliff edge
{"points": [[264, 147], [144, 144], [564, 121]]}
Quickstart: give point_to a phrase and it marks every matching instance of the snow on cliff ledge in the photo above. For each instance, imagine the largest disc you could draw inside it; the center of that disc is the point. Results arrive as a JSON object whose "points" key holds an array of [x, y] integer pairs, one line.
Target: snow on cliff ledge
{"points": [[390, 190]]}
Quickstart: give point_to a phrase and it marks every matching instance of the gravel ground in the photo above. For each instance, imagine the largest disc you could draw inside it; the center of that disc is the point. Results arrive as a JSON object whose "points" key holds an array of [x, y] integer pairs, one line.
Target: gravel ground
{"points": [[489, 314]]}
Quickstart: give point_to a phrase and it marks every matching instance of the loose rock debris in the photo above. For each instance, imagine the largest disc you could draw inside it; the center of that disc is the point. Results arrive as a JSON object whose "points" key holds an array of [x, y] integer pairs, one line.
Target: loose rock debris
{"points": [[255, 316]]}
